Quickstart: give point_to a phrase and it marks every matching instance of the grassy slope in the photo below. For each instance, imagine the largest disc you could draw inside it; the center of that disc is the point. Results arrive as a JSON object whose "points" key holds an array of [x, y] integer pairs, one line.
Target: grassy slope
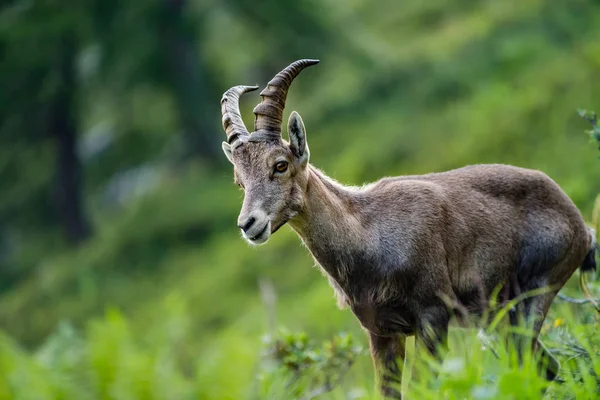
{"points": [[446, 84]]}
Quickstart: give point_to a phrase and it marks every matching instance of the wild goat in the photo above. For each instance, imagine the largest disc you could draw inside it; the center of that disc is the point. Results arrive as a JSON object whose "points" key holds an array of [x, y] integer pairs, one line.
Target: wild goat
{"points": [[400, 250]]}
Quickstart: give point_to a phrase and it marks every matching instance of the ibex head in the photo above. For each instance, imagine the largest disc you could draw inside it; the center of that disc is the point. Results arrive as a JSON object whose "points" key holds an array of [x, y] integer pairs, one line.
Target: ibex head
{"points": [[271, 171]]}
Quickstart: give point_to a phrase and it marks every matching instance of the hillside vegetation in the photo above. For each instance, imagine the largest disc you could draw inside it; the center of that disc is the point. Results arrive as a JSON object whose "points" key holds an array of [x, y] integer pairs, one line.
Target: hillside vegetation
{"points": [[162, 299]]}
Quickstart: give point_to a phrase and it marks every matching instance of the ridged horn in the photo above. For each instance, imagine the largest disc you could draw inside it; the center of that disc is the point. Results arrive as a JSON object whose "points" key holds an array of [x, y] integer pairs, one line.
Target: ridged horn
{"points": [[230, 108], [269, 113]]}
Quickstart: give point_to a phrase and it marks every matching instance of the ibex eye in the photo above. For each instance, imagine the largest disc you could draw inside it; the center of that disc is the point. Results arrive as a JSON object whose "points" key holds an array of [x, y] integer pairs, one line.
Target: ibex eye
{"points": [[281, 166]]}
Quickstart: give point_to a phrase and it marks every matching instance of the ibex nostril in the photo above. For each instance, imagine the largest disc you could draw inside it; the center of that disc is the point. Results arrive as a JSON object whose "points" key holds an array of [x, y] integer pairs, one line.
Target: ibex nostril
{"points": [[247, 225]]}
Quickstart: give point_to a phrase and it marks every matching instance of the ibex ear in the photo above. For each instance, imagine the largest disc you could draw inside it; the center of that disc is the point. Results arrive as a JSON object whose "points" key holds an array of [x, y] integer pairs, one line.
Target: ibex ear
{"points": [[227, 150], [297, 134]]}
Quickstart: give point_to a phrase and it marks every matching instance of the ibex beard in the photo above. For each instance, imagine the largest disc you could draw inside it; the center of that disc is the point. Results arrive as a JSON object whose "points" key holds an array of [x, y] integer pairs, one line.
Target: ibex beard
{"points": [[399, 251]]}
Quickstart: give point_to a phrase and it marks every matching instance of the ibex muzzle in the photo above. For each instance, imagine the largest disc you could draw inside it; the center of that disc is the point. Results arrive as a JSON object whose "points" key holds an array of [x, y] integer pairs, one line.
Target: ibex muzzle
{"points": [[405, 252]]}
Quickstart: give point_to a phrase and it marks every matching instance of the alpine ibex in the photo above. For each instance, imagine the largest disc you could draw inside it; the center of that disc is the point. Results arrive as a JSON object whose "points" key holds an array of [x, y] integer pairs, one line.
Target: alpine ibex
{"points": [[397, 251]]}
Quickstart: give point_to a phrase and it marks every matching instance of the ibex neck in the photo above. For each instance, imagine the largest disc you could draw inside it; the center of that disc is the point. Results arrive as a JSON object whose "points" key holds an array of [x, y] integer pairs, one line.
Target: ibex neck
{"points": [[329, 223]]}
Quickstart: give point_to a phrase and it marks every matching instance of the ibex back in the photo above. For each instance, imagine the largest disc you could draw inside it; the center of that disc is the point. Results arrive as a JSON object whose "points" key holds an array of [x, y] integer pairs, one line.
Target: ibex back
{"points": [[402, 251]]}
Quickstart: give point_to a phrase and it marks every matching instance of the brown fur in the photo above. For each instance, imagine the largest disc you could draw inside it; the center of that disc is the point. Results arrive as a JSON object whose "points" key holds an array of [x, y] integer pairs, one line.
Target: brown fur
{"points": [[397, 251]]}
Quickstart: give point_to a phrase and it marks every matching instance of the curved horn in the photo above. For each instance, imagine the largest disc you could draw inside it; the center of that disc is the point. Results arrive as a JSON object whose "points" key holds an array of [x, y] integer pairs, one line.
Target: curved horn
{"points": [[269, 113], [230, 108]]}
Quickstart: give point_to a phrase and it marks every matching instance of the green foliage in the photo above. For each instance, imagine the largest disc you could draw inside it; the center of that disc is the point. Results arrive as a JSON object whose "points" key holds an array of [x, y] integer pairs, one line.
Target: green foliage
{"points": [[592, 118], [109, 360], [299, 368], [594, 133]]}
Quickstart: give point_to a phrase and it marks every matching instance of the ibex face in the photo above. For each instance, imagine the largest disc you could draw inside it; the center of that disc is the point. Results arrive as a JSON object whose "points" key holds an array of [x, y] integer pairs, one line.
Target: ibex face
{"points": [[273, 176], [272, 172]]}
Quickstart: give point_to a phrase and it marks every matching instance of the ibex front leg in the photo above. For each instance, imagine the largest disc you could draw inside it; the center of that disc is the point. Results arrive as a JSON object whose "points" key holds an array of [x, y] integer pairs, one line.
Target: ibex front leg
{"points": [[388, 357], [432, 335], [432, 332]]}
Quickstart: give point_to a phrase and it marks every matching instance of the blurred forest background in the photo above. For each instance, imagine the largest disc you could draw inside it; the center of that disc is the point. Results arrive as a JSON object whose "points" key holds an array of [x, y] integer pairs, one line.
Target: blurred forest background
{"points": [[122, 271]]}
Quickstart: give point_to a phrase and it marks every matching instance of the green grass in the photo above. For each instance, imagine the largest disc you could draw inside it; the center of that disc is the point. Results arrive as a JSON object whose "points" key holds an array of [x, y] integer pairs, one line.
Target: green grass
{"points": [[110, 360]]}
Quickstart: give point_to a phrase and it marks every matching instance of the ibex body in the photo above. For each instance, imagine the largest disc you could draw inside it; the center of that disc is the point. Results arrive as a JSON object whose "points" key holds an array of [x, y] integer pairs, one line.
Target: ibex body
{"points": [[400, 251]]}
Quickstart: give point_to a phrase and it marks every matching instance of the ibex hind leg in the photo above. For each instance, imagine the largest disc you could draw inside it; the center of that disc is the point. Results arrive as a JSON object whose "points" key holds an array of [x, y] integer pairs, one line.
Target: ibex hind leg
{"points": [[548, 366], [527, 319], [546, 262], [537, 307], [532, 318]]}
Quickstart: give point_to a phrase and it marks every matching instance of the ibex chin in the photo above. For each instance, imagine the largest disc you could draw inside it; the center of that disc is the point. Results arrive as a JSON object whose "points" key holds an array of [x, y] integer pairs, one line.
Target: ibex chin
{"points": [[400, 250]]}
